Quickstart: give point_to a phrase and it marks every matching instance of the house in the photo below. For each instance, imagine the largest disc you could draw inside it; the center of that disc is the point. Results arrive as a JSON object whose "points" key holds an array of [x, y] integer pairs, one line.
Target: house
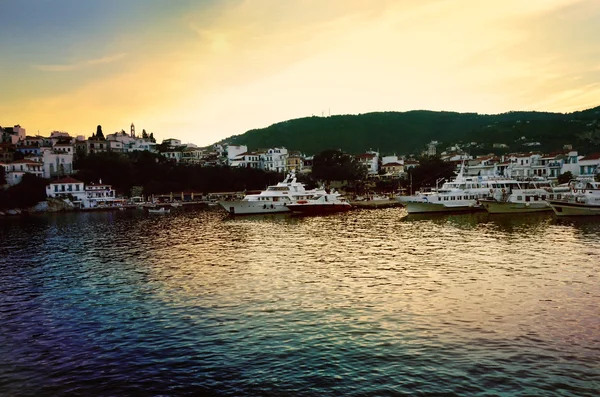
{"points": [[26, 150], [294, 162], [482, 166], [588, 165], [408, 164], [275, 159], [14, 171], [175, 155], [65, 187], [370, 161], [99, 194], [7, 152], [248, 160], [234, 151], [393, 169], [57, 162], [95, 145]]}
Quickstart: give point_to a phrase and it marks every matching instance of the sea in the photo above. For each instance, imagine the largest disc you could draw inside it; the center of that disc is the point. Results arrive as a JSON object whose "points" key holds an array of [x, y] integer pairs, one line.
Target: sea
{"points": [[365, 303]]}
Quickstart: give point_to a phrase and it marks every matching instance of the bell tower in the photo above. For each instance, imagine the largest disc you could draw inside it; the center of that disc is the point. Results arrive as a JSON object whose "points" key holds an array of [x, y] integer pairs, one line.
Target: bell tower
{"points": [[132, 130]]}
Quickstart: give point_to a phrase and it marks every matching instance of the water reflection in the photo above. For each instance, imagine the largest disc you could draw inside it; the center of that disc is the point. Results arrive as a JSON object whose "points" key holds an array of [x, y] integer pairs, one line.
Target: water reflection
{"points": [[363, 302]]}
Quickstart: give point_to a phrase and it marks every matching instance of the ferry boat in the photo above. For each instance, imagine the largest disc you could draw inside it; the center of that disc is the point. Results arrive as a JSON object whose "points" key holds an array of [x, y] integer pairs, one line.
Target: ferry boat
{"points": [[527, 196], [584, 199], [462, 194], [275, 199], [321, 203]]}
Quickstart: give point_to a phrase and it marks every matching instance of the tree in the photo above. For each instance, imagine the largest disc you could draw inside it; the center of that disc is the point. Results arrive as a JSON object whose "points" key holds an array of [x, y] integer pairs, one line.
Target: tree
{"points": [[144, 134], [565, 178], [335, 165], [30, 191], [428, 172], [137, 191], [152, 137], [99, 134]]}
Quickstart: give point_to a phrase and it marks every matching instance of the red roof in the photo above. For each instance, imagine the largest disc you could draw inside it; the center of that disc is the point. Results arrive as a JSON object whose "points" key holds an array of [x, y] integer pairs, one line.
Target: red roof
{"points": [[25, 162], [593, 156], [392, 165], [67, 179]]}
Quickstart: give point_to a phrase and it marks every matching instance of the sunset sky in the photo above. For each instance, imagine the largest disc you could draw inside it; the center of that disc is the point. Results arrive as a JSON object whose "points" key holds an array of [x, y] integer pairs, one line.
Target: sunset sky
{"points": [[201, 71]]}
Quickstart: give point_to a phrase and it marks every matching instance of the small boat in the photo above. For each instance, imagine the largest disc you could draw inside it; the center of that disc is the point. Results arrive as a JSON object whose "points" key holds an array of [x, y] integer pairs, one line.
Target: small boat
{"points": [[321, 203], [161, 210], [176, 204]]}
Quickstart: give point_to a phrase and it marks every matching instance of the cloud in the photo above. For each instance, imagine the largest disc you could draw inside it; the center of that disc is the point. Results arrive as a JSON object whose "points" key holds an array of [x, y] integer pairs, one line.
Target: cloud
{"points": [[80, 65]]}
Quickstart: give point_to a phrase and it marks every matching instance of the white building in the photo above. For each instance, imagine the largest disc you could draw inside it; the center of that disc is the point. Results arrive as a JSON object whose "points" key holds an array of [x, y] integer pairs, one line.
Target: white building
{"points": [[589, 165], [141, 145], [98, 194], [275, 159], [15, 170], [391, 159], [64, 187], [234, 151], [175, 155], [370, 161], [247, 160], [171, 143], [57, 163]]}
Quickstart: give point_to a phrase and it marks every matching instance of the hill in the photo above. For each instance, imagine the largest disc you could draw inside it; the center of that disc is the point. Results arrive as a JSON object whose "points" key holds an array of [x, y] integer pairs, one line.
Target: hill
{"points": [[409, 132]]}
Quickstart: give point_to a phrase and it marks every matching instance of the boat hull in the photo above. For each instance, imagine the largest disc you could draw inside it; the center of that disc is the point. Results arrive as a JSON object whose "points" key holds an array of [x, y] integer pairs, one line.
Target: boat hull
{"points": [[504, 207], [562, 208], [253, 207], [424, 207], [318, 208]]}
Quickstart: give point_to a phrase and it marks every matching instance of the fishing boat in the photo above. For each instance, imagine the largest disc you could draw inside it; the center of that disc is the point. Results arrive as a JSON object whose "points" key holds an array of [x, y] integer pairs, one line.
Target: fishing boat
{"points": [[321, 203], [583, 200], [274, 199]]}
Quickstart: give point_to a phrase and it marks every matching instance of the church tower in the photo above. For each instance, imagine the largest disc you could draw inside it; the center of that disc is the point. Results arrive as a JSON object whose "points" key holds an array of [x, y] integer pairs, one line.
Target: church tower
{"points": [[132, 130]]}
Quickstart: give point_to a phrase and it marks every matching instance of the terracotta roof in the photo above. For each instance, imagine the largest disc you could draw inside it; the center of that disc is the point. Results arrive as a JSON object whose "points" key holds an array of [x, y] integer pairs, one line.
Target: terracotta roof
{"points": [[25, 162], [67, 179], [593, 156], [392, 165]]}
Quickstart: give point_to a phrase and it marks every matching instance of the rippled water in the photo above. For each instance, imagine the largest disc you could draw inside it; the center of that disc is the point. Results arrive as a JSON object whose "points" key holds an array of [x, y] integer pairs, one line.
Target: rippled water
{"points": [[366, 303]]}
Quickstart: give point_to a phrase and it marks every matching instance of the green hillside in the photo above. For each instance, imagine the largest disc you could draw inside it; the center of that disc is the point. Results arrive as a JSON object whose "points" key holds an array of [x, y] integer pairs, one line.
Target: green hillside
{"points": [[409, 132]]}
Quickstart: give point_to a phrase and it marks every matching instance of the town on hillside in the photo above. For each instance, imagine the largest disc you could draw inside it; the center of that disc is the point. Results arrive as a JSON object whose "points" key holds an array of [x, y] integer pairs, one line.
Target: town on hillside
{"points": [[53, 158]]}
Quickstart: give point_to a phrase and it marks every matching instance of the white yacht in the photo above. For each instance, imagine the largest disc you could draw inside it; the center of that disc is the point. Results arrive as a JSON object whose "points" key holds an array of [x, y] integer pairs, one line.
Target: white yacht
{"points": [[461, 194], [583, 199], [272, 200], [321, 204], [527, 196]]}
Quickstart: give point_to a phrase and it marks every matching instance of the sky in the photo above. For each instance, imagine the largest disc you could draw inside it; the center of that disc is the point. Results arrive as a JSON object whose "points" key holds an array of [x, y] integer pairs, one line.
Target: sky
{"points": [[204, 70]]}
